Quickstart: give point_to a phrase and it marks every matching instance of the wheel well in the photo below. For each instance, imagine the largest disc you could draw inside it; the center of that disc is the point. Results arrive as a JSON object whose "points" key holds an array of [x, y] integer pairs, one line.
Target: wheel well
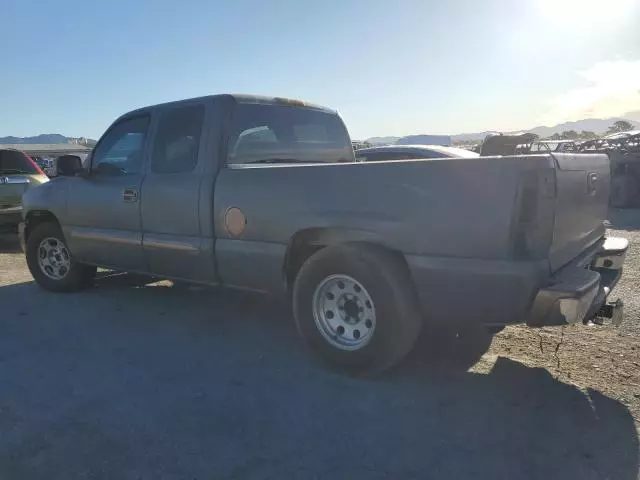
{"points": [[307, 242], [301, 247], [38, 217]]}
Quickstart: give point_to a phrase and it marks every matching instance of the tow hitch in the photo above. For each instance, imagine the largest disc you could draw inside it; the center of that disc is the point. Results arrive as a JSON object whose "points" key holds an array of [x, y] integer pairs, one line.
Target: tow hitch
{"points": [[613, 311]]}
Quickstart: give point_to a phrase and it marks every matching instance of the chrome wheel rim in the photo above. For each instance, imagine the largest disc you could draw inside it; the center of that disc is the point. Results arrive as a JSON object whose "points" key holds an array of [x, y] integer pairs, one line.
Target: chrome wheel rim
{"points": [[54, 258], [344, 312]]}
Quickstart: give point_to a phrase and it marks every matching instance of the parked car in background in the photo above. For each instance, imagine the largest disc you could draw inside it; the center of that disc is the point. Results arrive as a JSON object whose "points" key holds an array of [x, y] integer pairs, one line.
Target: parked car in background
{"points": [[624, 152], [47, 165], [18, 172], [406, 152], [265, 194]]}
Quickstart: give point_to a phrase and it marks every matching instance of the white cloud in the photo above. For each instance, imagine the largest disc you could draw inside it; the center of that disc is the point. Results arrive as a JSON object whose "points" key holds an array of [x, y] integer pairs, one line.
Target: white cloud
{"points": [[610, 89]]}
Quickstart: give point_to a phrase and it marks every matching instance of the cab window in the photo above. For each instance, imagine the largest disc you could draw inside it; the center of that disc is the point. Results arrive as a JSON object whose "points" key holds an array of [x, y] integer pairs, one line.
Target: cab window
{"points": [[120, 151], [175, 148], [286, 133]]}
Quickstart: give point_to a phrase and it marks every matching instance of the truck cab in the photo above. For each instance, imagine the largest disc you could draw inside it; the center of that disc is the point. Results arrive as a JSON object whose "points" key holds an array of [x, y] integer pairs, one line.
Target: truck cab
{"points": [[143, 201]]}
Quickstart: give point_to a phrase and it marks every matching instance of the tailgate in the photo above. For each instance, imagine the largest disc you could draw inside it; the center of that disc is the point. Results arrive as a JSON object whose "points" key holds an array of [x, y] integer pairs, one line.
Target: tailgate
{"points": [[582, 202], [11, 189]]}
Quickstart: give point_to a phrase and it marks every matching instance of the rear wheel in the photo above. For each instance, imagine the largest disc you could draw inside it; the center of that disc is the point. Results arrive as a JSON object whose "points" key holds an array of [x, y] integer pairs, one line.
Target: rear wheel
{"points": [[51, 263], [355, 306]]}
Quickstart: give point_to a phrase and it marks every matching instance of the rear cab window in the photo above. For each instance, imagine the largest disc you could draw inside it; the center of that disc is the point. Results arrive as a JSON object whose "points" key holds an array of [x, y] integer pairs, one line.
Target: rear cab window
{"points": [[269, 133], [15, 162]]}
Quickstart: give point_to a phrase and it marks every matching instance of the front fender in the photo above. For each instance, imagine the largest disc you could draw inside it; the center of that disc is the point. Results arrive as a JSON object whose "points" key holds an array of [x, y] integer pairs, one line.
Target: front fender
{"points": [[48, 197]]}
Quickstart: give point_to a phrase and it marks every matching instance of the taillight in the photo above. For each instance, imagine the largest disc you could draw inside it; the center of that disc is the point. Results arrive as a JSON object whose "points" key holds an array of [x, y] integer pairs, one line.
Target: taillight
{"points": [[35, 165], [533, 222]]}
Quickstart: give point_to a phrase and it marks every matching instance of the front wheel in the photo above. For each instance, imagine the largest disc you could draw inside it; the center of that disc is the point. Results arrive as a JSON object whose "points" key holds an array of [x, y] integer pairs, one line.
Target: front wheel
{"points": [[51, 263], [355, 306]]}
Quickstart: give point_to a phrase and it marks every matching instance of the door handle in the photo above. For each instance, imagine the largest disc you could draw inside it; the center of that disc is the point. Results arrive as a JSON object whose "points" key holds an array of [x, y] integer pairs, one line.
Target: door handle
{"points": [[130, 195]]}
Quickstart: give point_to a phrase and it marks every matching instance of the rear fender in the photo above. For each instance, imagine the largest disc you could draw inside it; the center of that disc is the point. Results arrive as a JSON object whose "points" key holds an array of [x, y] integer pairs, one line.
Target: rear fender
{"points": [[335, 235], [307, 242]]}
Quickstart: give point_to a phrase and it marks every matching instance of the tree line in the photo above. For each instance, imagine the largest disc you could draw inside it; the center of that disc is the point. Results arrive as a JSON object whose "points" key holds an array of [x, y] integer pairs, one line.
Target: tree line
{"points": [[618, 127]]}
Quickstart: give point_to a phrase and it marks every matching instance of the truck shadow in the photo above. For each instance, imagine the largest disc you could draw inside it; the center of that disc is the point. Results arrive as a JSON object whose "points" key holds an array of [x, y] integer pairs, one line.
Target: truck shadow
{"points": [[211, 384], [9, 243], [624, 218]]}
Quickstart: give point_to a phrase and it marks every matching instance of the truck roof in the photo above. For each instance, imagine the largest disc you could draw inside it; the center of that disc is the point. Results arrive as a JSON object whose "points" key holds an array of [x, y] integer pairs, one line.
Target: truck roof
{"points": [[238, 98]]}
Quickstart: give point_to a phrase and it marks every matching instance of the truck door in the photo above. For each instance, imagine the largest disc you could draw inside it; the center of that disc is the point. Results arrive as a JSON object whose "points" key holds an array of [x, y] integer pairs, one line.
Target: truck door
{"points": [[103, 210], [175, 239]]}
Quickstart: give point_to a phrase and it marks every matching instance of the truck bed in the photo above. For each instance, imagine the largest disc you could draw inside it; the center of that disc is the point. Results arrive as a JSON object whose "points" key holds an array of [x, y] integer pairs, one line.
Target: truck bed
{"points": [[462, 208], [458, 222]]}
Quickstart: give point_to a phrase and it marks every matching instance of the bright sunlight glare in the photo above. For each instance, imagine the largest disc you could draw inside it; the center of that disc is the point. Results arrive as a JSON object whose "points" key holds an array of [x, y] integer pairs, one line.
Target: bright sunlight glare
{"points": [[580, 13]]}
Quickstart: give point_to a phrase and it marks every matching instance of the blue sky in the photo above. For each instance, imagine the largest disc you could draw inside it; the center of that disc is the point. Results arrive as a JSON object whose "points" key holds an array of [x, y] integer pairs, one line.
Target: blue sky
{"points": [[390, 68]]}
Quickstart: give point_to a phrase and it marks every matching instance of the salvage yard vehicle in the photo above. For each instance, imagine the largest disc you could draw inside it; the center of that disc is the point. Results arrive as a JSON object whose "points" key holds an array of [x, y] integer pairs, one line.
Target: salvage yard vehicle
{"points": [[624, 153], [553, 146], [18, 172], [522, 144], [265, 194], [406, 152], [623, 149], [506, 144]]}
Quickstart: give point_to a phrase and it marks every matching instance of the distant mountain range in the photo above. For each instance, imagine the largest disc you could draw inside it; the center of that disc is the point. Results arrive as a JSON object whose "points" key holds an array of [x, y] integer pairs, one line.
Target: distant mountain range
{"points": [[597, 125], [48, 139], [51, 138]]}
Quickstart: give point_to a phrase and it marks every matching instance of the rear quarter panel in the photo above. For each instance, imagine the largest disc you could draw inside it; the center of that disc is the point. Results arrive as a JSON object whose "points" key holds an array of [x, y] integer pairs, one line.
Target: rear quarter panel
{"points": [[460, 208]]}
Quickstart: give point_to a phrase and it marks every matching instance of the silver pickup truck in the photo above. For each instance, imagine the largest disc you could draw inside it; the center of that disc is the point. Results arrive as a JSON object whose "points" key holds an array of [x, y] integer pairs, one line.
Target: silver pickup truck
{"points": [[265, 194]]}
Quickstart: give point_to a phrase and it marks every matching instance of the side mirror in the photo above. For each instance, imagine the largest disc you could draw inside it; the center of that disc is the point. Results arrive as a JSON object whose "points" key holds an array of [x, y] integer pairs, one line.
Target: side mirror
{"points": [[69, 165]]}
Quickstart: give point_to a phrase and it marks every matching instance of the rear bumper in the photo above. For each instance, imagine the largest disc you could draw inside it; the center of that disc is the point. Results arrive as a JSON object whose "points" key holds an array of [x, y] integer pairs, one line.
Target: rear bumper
{"points": [[466, 291], [496, 293], [578, 291]]}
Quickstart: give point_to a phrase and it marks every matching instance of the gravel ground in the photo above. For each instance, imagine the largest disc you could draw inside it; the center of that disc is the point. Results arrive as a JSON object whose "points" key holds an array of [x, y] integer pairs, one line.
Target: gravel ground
{"points": [[626, 223], [603, 358], [134, 380]]}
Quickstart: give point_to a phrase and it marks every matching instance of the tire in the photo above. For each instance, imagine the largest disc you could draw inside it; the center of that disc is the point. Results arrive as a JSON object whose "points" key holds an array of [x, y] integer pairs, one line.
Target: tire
{"points": [[367, 272], [73, 278]]}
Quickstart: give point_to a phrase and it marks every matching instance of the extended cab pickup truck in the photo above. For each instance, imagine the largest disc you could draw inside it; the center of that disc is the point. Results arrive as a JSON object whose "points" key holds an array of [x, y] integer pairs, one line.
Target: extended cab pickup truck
{"points": [[265, 194]]}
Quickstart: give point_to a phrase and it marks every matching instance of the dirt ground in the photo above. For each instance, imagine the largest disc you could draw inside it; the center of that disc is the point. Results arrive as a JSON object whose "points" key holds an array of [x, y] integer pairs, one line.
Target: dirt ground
{"points": [[135, 379], [598, 357]]}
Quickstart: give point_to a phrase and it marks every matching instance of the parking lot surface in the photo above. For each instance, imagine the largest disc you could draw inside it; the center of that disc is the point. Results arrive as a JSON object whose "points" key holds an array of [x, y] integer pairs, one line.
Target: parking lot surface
{"points": [[135, 379]]}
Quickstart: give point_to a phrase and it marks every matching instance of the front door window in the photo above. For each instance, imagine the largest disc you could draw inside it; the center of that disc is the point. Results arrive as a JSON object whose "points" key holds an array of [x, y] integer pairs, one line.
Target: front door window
{"points": [[120, 151]]}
